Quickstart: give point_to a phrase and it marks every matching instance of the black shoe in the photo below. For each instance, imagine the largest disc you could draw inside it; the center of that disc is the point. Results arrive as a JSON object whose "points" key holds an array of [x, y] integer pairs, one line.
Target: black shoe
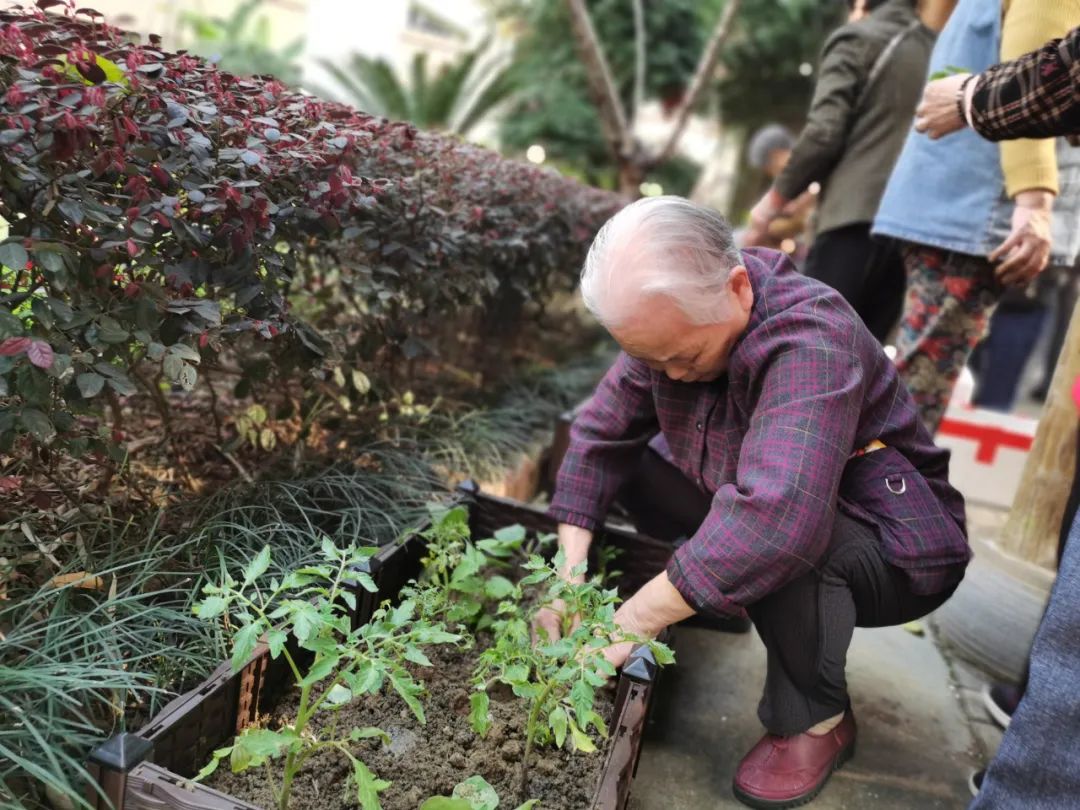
{"points": [[1001, 700], [975, 780]]}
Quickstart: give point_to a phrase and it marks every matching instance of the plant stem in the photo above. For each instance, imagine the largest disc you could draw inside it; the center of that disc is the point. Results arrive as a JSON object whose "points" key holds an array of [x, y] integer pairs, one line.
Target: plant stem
{"points": [[291, 765], [530, 733]]}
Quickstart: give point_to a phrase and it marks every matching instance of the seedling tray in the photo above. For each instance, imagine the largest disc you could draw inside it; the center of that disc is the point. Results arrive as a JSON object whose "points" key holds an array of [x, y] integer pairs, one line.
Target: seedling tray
{"points": [[151, 770]]}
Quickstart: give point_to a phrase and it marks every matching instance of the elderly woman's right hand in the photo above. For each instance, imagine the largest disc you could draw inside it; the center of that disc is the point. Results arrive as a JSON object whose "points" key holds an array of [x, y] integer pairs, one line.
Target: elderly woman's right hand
{"points": [[938, 113]]}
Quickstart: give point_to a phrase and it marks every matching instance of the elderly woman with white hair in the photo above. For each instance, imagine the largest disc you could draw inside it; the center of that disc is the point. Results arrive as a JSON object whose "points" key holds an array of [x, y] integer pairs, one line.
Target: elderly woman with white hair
{"points": [[828, 505]]}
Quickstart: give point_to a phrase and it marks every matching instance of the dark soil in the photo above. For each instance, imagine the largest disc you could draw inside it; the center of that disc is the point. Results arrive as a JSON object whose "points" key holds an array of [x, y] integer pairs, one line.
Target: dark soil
{"points": [[428, 760]]}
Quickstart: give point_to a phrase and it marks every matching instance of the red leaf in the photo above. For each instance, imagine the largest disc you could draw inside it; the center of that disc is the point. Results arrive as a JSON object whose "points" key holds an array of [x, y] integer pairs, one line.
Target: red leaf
{"points": [[10, 483], [14, 346], [132, 248], [161, 177], [40, 354], [203, 340], [132, 289]]}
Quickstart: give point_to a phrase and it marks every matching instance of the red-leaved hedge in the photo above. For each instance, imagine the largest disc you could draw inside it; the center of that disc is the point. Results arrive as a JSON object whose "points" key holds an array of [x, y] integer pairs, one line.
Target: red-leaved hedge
{"points": [[160, 210]]}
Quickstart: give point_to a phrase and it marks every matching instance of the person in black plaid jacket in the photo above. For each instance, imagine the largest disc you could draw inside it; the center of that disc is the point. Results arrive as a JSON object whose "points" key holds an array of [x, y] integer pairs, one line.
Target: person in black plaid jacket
{"points": [[1035, 96]]}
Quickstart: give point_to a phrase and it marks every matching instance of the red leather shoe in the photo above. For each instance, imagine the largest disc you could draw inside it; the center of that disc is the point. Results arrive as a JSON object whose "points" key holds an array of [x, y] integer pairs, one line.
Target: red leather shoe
{"points": [[790, 771]]}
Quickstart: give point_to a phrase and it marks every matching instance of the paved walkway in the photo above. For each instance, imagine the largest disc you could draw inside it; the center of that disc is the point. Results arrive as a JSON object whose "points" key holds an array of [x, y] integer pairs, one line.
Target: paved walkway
{"points": [[915, 745], [922, 727]]}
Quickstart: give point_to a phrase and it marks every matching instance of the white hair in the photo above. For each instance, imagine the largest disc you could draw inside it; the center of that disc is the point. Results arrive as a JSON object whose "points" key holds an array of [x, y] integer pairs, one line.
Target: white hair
{"points": [[665, 246]]}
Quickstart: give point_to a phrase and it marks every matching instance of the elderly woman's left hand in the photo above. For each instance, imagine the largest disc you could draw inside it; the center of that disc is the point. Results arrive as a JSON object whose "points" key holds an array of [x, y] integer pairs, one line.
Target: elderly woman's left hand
{"points": [[938, 113]]}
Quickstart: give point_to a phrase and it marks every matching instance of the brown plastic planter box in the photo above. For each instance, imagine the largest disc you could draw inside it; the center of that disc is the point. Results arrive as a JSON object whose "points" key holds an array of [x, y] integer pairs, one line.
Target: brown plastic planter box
{"points": [[151, 770]]}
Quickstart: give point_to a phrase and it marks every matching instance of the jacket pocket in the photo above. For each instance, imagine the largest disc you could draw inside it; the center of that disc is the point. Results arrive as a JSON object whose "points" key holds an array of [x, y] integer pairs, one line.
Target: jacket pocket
{"points": [[917, 531]]}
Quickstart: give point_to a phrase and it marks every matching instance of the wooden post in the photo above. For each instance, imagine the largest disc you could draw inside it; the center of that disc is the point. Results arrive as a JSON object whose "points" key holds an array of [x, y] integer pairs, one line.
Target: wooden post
{"points": [[1031, 532]]}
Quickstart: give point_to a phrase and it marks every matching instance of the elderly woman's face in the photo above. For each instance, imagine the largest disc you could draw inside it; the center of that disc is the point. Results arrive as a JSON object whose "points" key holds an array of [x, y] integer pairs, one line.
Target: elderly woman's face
{"points": [[660, 335]]}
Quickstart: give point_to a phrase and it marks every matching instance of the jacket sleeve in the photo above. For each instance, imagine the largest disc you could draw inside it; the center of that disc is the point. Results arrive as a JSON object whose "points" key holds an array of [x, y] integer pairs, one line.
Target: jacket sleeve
{"points": [[1035, 96], [606, 442], [821, 143], [774, 522], [1028, 24]]}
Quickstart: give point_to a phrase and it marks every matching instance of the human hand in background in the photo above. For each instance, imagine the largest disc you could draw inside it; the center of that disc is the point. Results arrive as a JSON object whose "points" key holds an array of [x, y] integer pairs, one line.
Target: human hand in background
{"points": [[938, 114], [762, 214], [1027, 250]]}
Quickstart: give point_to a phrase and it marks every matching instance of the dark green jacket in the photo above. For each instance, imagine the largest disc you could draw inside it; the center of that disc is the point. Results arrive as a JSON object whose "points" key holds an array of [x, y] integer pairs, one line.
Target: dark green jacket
{"points": [[849, 145]]}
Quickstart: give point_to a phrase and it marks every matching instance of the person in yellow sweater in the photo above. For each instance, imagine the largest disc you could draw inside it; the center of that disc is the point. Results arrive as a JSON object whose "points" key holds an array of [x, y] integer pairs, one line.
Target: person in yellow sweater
{"points": [[973, 218]]}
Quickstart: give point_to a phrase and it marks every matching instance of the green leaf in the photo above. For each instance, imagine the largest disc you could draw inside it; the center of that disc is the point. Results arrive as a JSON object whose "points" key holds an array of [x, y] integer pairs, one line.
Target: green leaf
{"points": [[320, 669], [338, 695], [535, 578], [306, 620], [210, 607], [402, 613], [409, 691], [581, 698], [498, 588], [415, 655], [254, 746], [10, 326], [365, 581], [479, 718], [478, 793], [330, 550], [185, 352], [580, 739], [511, 534], [90, 383], [557, 722], [244, 644], [275, 639], [257, 566], [597, 722], [110, 330], [445, 803], [368, 786], [367, 733], [529, 805], [14, 255], [663, 654], [349, 598], [516, 673], [212, 765], [37, 425], [172, 366], [188, 377], [367, 678]]}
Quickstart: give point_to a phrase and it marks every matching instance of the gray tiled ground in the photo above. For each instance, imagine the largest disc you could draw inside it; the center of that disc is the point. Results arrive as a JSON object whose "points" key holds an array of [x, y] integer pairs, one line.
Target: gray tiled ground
{"points": [[915, 746], [922, 727]]}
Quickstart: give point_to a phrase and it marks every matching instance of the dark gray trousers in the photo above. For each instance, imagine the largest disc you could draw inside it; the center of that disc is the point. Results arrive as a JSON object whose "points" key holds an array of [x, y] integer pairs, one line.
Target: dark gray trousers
{"points": [[807, 626]]}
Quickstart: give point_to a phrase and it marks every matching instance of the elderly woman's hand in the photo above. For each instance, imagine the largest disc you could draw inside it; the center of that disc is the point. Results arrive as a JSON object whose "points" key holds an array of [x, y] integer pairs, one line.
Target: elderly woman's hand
{"points": [[938, 113]]}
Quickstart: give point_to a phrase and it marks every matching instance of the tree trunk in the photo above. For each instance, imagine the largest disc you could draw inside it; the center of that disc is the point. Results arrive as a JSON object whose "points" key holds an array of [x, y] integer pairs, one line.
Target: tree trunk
{"points": [[631, 176], [703, 76], [601, 84], [1031, 532], [632, 160]]}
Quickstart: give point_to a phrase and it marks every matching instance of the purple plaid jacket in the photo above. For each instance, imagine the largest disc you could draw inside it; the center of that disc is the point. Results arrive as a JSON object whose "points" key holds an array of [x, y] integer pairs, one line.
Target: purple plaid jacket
{"points": [[771, 441]]}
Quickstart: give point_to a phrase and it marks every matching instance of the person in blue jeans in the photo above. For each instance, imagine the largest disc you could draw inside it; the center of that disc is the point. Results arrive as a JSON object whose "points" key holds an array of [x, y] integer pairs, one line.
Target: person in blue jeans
{"points": [[1037, 765]]}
